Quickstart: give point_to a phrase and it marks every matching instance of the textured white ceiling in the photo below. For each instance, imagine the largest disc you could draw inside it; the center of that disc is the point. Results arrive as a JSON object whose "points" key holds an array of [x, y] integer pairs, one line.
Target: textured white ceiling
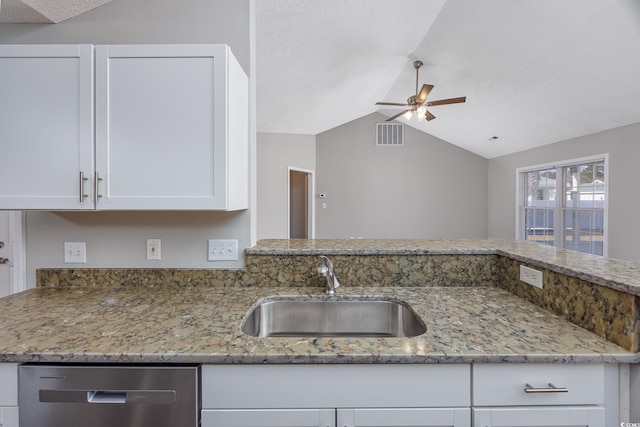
{"points": [[324, 63], [44, 11], [534, 72]]}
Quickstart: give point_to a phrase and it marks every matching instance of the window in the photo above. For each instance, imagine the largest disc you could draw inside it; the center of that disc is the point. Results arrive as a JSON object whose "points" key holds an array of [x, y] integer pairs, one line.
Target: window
{"points": [[565, 204]]}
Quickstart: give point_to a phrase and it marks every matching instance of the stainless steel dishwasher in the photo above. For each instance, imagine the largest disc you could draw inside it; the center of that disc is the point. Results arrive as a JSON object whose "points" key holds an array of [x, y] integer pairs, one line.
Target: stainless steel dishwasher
{"points": [[109, 396]]}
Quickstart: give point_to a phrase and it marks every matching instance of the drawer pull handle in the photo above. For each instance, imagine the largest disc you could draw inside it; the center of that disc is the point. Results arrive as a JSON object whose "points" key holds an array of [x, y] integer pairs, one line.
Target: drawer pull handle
{"points": [[551, 389]]}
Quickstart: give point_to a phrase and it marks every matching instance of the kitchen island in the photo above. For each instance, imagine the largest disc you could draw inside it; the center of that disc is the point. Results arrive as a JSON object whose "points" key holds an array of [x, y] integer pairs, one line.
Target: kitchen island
{"points": [[462, 289], [483, 327]]}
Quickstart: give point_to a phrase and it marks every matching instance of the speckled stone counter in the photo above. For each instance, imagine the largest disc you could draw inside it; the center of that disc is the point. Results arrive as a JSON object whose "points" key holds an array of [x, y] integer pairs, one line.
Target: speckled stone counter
{"points": [[598, 294], [201, 324], [616, 274]]}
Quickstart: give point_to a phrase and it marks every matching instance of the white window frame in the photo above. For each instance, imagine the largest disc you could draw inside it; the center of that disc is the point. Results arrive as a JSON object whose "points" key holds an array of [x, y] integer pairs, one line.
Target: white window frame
{"points": [[560, 197]]}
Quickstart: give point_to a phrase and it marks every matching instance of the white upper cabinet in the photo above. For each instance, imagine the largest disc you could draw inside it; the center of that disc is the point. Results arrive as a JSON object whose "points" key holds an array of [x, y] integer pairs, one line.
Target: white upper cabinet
{"points": [[46, 126], [171, 128]]}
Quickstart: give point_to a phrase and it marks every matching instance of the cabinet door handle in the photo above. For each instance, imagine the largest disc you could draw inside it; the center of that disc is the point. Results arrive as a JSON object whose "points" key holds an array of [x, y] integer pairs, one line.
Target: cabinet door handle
{"points": [[96, 182], [551, 389], [1, 245], [82, 180], [3, 261]]}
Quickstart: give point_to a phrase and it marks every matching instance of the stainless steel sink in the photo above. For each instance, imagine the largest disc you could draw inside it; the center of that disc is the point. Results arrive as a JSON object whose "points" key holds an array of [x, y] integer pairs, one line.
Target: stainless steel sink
{"points": [[332, 316]]}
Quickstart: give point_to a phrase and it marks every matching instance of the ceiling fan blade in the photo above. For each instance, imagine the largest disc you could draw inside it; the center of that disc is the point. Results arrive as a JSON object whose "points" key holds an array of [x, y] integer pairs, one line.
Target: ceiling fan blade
{"points": [[392, 118], [428, 115], [424, 92], [396, 104], [446, 101]]}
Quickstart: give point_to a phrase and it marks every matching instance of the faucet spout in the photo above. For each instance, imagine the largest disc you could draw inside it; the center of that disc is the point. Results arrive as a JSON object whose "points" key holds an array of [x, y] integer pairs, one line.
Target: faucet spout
{"points": [[325, 271]]}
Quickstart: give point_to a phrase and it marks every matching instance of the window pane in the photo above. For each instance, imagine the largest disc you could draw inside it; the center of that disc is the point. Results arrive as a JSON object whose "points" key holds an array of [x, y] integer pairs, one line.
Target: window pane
{"points": [[541, 188], [539, 225], [585, 186], [584, 231]]}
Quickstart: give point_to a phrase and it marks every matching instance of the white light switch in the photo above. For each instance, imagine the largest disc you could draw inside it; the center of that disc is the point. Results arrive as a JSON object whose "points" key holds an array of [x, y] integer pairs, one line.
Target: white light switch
{"points": [[222, 250], [75, 252]]}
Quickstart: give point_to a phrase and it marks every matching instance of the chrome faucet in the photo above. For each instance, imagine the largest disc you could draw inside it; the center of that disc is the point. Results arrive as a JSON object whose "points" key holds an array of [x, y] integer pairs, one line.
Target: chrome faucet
{"points": [[325, 271]]}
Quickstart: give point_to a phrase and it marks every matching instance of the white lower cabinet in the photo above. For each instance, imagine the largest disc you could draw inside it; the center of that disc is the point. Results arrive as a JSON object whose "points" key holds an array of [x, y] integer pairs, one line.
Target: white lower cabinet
{"points": [[8, 395], [268, 417], [360, 417], [539, 395], [336, 395], [9, 416], [455, 395], [406, 417]]}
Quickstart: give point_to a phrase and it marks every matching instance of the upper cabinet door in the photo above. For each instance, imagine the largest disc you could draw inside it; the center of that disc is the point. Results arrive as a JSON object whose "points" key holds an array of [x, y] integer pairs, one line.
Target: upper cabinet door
{"points": [[46, 126], [171, 128]]}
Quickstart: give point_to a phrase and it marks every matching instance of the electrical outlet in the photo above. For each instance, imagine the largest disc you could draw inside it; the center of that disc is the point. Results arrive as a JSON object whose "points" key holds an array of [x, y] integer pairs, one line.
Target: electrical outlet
{"points": [[153, 249], [222, 250], [531, 276], [75, 252]]}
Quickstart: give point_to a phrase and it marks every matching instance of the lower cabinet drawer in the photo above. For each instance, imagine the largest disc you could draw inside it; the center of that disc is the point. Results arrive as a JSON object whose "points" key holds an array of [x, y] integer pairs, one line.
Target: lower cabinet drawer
{"points": [[538, 384]]}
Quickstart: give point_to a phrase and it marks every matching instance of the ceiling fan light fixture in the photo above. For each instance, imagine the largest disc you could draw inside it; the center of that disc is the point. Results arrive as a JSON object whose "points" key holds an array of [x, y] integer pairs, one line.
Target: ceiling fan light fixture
{"points": [[417, 103]]}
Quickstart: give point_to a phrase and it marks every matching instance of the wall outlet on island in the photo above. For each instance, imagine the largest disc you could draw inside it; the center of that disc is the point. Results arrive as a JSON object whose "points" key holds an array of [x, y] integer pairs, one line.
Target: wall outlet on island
{"points": [[531, 276]]}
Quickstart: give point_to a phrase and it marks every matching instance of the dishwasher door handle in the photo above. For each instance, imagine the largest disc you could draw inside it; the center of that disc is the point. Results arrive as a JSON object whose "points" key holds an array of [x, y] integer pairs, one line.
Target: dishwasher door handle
{"points": [[154, 397], [106, 396]]}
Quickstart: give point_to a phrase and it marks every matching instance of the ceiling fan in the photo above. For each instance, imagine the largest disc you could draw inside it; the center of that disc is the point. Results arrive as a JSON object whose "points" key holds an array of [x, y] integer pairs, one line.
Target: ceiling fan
{"points": [[416, 103]]}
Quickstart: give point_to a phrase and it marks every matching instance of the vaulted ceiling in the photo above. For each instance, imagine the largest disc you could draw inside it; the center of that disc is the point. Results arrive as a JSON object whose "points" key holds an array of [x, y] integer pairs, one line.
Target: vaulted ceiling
{"points": [[534, 72]]}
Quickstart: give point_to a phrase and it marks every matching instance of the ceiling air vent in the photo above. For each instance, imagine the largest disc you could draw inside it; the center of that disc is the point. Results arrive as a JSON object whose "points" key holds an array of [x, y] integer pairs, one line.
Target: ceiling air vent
{"points": [[390, 134]]}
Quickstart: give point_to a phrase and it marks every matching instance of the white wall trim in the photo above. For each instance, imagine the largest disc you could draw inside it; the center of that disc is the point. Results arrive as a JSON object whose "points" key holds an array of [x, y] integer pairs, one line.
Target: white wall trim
{"points": [[311, 230], [17, 237], [558, 164]]}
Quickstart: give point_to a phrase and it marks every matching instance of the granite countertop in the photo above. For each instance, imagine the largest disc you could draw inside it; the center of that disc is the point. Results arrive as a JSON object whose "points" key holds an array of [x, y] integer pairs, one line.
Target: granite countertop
{"points": [[201, 324], [616, 274]]}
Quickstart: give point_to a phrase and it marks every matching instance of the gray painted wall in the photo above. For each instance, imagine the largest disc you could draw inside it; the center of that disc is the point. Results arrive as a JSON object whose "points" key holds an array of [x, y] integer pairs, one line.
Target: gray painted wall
{"points": [[118, 239], [425, 189], [276, 153], [624, 176]]}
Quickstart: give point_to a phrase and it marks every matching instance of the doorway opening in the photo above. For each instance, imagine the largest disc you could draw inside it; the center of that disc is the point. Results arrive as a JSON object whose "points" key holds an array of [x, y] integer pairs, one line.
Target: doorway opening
{"points": [[301, 204]]}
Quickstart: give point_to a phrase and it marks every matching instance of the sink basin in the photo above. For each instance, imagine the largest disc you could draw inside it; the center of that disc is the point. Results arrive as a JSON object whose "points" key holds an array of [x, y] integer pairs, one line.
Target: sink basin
{"points": [[332, 317]]}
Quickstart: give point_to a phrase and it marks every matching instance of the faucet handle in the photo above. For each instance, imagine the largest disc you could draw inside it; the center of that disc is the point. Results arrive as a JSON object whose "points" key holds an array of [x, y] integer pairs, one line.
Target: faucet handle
{"points": [[323, 270]]}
